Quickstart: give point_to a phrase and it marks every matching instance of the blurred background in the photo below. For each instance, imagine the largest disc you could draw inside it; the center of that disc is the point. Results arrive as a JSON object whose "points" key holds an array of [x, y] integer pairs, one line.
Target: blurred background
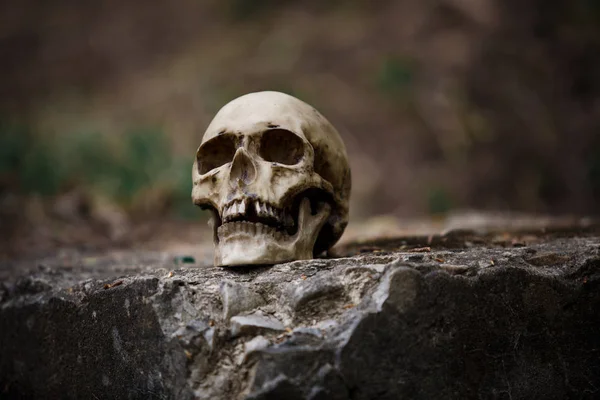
{"points": [[444, 105]]}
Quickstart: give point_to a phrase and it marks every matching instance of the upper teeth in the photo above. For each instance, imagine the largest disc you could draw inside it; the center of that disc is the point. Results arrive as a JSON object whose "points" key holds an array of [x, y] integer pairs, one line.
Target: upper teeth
{"points": [[240, 207]]}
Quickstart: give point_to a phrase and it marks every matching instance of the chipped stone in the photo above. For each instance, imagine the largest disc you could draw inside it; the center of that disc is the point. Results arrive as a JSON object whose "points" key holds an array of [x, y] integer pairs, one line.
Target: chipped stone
{"points": [[257, 343], [548, 259], [303, 330], [327, 324], [454, 269], [238, 298], [253, 323], [296, 294], [485, 263], [399, 289]]}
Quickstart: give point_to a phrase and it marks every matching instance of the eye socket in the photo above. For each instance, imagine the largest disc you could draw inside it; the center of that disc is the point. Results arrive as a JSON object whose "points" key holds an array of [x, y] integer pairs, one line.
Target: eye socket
{"points": [[281, 146], [216, 152]]}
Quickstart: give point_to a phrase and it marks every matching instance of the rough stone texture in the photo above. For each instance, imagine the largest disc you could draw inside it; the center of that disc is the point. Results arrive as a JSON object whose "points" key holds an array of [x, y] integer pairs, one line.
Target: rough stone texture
{"points": [[475, 321]]}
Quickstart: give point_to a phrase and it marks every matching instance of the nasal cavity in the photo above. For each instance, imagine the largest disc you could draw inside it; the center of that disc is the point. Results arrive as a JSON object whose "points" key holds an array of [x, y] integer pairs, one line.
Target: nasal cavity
{"points": [[243, 171]]}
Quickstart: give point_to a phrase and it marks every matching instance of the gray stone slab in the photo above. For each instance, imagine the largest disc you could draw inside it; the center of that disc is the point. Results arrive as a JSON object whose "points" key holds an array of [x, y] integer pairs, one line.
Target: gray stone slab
{"points": [[488, 322]]}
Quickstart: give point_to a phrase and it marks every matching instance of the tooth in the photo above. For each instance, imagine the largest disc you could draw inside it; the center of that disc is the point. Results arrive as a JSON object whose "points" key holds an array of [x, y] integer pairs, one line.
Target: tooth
{"points": [[263, 208], [257, 208], [242, 207]]}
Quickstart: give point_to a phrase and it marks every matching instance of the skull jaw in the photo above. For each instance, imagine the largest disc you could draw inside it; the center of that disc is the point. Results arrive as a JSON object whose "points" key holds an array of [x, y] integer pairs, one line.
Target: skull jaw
{"points": [[257, 250], [263, 249]]}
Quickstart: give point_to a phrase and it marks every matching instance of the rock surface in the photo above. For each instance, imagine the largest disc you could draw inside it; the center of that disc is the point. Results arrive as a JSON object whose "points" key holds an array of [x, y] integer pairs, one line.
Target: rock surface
{"points": [[472, 321]]}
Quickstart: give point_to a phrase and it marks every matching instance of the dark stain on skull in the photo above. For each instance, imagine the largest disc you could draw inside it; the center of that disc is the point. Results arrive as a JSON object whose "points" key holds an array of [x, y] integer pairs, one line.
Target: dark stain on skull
{"points": [[214, 179], [271, 125], [221, 132]]}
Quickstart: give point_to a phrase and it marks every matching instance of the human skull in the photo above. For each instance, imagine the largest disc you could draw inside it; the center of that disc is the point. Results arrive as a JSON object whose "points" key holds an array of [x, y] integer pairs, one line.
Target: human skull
{"points": [[275, 174]]}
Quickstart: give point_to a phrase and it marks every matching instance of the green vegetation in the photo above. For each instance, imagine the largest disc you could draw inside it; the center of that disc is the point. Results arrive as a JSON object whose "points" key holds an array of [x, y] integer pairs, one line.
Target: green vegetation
{"points": [[13, 144], [248, 9], [119, 168], [396, 77], [438, 201]]}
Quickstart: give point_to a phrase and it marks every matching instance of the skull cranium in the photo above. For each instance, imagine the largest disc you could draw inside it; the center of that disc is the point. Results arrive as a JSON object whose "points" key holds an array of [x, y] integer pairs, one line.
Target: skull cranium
{"points": [[275, 174]]}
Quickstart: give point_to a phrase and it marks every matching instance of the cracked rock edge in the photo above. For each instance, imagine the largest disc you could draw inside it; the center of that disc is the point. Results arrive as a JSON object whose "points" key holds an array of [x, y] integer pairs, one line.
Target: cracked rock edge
{"points": [[449, 325]]}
